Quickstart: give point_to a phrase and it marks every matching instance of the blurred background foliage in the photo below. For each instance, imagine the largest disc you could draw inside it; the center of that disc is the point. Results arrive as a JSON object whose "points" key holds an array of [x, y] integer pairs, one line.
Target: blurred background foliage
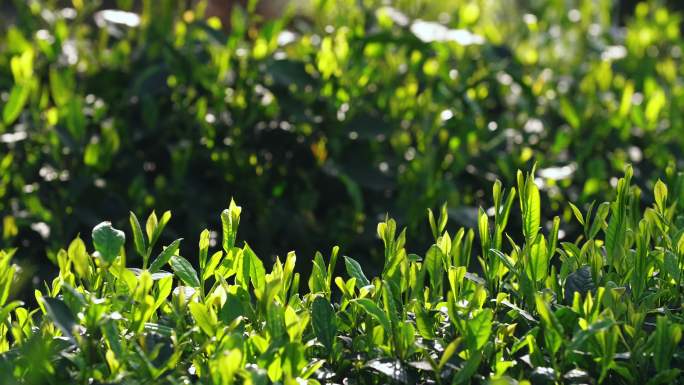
{"points": [[321, 116]]}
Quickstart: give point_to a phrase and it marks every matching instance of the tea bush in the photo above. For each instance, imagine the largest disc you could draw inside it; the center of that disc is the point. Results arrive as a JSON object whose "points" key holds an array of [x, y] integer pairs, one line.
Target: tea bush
{"points": [[322, 121], [603, 308]]}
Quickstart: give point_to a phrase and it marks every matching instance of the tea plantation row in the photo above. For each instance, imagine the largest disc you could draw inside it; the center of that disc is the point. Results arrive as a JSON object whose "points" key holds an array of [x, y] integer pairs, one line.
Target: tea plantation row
{"points": [[603, 308]]}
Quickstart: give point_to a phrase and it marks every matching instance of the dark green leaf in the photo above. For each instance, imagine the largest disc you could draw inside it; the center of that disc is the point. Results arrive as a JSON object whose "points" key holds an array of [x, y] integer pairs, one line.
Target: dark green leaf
{"points": [[184, 271], [61, 315], [354, 270], [579, 281], [108, 241], [374, 311], [165, 255], [324, 322]]}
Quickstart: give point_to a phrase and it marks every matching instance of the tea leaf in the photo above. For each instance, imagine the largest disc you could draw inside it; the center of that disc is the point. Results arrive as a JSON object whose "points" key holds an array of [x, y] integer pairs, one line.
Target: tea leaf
{"points": [[15, 104], [667, 336], [61, 315], [79, 257], [660, 192], [184, 270], [165, 256], [354, 270], [230, 220], [374, 311], [466, 372], [108, 241], [579, 281], [434, 266], [539, 260], [256, 268], [599, 219], [138, 238], [202, 317], [478, 329], [532, 210], [324, 322], [8, 308], [577, 213]]}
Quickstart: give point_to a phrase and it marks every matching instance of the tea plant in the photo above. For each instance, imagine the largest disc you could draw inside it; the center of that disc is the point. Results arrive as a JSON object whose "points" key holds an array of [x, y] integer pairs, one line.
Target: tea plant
{"points": [[603, 308], [322, 121]]}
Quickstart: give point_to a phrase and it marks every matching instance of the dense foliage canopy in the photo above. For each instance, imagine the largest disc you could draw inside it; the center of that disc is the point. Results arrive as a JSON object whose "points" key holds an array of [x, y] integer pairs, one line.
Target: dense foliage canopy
{"points": [[321, 124]]}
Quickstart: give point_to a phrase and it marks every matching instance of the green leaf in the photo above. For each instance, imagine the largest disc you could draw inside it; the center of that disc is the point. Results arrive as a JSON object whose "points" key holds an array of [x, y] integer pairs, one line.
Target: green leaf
{"points": [[225, 366], [230, 219], [553, 329], [61, 85], [579, 340], [518, 310], [108, 241], [211, 266], [354, 270], [424, 322], [464, 374], [257, 272], [237, 305], [151, 226], [15, 104], [203, 318], [443, 217], [374, 311], [138, 238], [242, 266], [615, 236], [203, 248], [61, 315], [324, 322], [671, 265], [539, 260], [165, 256], [7, 309], [433, 224], [318, 279], [449, 352], [184, 270], [75, 118], [665, 377], [154, 227], [275, 320], [331, 265], [577, 213], [532, 210], [479, 328], [112, 336], [389, 301], [483, 229], [553, 241], [660, 192], [579, 281], [599, 219], [79, 257], [505, 259], [667, 336], [434, 266]]}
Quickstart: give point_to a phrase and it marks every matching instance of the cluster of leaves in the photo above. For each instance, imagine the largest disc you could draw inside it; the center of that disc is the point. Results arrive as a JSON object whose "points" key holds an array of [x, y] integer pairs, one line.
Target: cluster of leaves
{"points": [[321, 124], [605, 308]]}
